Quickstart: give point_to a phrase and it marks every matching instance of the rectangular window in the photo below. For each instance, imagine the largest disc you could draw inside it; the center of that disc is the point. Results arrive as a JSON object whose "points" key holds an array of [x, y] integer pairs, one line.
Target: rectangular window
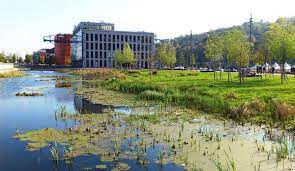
{"points": [[86, 37], [91, 38], [92, 63], [100, 46], [96, 37], [126, 38], [109, 38], [91, 54], [87, 54], [96, 54], [118, 37], [105, 63], [114, 38], [104, 55], [100, 37], [104, 38], [87, 63], [91, 46], [122, 38], [87, 45], [130, 38], [118, 46], [96, 46], [114, 46], [109, 46], [134, 38], [105, 46]]}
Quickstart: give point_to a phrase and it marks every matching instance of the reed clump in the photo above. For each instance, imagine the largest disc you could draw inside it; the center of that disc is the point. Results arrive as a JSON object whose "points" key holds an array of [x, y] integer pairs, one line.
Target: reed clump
{"points": [[12, 74]]}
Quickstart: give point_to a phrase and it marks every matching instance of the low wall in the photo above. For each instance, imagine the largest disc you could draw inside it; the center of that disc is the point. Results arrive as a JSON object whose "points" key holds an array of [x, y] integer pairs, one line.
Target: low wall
{"points": [[6, 67]]}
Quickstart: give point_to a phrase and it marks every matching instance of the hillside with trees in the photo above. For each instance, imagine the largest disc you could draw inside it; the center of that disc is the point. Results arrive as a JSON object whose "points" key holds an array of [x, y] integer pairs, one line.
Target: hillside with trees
{"points": [[191, 49]]}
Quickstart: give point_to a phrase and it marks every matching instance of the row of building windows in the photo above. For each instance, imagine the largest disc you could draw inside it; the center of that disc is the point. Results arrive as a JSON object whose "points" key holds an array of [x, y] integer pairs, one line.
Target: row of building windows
{"points": [[104, 54], [110, 63], [116, 46], [118, 38]]}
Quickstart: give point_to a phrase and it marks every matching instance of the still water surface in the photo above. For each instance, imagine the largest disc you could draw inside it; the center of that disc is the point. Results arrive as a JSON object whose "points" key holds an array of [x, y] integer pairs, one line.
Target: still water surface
{"points": [[32, 113]]}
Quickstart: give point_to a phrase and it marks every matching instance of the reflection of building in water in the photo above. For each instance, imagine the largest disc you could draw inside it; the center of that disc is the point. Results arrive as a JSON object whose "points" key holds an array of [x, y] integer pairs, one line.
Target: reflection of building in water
{"points": [[86, 106], [63, 96]]}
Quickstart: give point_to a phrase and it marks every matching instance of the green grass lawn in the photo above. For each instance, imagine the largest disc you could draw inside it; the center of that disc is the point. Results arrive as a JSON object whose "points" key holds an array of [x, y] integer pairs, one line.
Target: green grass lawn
{"points": [[267, 88]]}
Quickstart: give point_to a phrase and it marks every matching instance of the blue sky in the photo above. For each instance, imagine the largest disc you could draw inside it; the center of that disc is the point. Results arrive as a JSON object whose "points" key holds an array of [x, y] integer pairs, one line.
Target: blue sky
{"points": [[23, 23]]}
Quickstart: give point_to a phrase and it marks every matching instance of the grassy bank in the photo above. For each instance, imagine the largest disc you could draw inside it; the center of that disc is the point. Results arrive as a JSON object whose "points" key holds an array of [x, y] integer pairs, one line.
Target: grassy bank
{"points": [[12, 74], [259, 101]]}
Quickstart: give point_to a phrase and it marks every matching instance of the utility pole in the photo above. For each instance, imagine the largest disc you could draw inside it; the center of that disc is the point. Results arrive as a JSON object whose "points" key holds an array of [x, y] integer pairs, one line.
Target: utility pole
{"points": [[250, 38]]}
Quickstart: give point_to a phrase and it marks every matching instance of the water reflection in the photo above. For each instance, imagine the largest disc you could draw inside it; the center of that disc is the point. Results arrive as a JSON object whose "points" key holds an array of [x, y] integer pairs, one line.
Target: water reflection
{"points": [[83, 105]]}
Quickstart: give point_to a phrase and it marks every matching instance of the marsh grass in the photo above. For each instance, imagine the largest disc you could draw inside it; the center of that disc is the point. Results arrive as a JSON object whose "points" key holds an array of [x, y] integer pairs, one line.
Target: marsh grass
{"points": [[258, 101], [12, 74], [54, 152]]}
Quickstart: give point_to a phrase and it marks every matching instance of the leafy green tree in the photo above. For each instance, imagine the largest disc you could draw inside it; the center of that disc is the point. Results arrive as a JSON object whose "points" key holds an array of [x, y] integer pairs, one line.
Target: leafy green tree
{"points": [[126, 57], [14, 58], [192, 59], [238, 49], [166, 54], [119, 58], [20, 60], [3, 57], [180, 58], [215, 48], [280, 41]]}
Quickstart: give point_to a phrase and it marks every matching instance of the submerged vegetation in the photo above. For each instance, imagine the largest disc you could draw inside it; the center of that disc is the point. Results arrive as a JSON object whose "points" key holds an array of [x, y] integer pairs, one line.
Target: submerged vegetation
{"points": [[195, 143]]}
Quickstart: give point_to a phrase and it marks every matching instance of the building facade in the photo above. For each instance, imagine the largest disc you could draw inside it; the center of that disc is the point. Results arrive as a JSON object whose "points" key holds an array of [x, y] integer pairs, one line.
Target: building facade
{"points": [[62, 49], [95, 44]]}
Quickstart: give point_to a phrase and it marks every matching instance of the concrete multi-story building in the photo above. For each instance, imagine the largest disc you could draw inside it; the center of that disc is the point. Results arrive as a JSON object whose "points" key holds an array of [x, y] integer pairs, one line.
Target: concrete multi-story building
{"points": [[94, 45]]}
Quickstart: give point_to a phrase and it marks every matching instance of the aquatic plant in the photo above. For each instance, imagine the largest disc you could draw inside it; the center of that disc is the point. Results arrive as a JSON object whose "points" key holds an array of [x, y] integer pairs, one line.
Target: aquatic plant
{"points": [[61, 112], [12, 74], [54, 151], [161, 157], [63, 85], [29, 94]]}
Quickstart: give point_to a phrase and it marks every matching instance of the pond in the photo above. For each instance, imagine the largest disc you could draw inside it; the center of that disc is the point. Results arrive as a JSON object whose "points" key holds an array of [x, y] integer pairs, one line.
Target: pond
{"points": [[184, 139], [33, 113]]}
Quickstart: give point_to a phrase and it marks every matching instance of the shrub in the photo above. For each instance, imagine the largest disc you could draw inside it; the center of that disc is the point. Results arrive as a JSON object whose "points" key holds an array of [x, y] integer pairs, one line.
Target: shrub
{"points": [[281, 110]]}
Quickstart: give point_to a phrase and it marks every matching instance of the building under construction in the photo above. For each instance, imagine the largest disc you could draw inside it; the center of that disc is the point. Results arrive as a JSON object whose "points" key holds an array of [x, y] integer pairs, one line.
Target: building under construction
{"points": [[62, 49]]}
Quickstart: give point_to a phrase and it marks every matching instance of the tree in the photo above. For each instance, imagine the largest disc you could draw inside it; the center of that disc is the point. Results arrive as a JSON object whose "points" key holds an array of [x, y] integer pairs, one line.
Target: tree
{"points": [[166, 54], [14, 58], [20, 60], [3, 57], [119, 58], [215, 48], [238, 49], [126, 57], [180, 59], [192, 59], [280, 41]]}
